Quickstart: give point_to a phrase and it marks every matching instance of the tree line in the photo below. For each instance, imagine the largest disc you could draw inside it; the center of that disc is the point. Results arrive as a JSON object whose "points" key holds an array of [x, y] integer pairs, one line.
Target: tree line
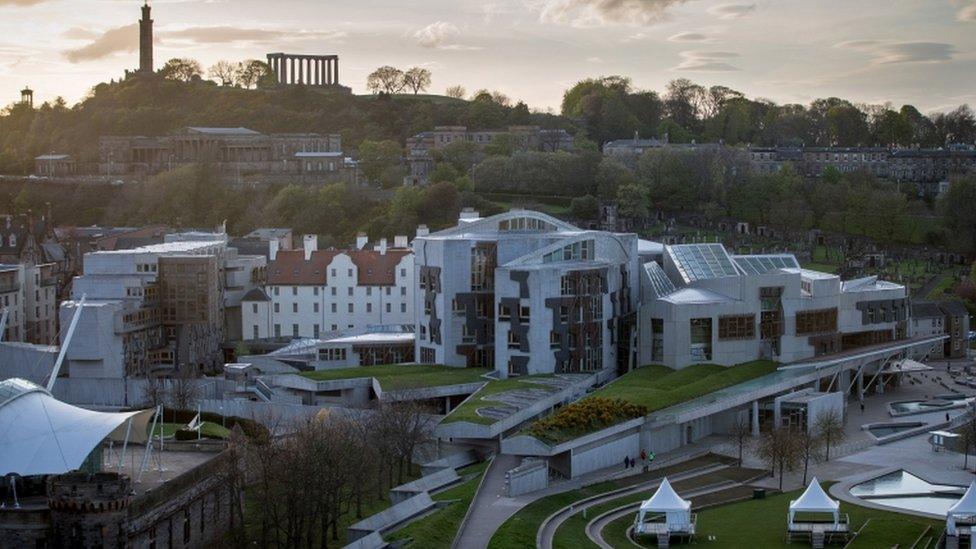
{"points": [[610, 107]]}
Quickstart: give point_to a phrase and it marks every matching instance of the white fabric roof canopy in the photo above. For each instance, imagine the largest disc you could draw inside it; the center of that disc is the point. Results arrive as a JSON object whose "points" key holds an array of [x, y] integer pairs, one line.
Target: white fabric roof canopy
{"points": [[40, 435], [677, 511], [964, 508], [814, 500]]}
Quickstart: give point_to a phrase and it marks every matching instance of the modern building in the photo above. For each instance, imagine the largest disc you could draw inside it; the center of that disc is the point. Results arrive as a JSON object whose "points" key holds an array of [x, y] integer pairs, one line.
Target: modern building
{"points": [[264, 241], [421, 148], [627, 151], [157, 309], [706, 305], [950, 318], [234, 151], [525, 293], [311, 292]]}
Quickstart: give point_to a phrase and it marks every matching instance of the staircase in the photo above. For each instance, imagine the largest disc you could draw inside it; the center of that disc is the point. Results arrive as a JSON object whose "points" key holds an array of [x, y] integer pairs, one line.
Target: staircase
{"points": [[817, 540], [663, 540]]}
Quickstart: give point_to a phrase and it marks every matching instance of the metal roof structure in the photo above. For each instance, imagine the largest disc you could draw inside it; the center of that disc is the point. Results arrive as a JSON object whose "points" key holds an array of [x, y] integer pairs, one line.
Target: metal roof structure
{"points": [[762, 264], [660, 282], [702, 261]]}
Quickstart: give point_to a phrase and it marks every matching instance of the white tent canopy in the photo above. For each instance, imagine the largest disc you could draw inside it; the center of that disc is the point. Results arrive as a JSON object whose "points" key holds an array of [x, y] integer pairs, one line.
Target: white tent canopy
{"points": [[965, 508], [41, 435], [814, 500], [677, 511]]}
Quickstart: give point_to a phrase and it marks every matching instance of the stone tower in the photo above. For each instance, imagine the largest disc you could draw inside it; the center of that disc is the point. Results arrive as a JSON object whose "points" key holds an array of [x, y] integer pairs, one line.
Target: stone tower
{"points": [[146, 40], [27, 97], [88, 510]]}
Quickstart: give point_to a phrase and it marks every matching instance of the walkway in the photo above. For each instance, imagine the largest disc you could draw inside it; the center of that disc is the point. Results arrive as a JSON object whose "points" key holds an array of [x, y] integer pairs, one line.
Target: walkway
{"points": [[490, 506]]}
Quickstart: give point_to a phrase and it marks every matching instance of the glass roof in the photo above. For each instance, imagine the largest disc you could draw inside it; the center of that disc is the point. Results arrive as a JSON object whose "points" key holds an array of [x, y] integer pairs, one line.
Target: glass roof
{"points": [[702, 261], [660, 282], [762, 264], [15, 387]]}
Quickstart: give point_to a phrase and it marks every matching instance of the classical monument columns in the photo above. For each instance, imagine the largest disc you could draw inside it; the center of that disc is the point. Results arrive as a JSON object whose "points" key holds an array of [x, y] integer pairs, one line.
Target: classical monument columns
{"points": [[309, 70]]}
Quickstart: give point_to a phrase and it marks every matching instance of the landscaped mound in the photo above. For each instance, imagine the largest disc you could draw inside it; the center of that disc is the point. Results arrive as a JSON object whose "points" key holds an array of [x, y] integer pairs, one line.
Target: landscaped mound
{"points": [[649, 388], [585, 416]]}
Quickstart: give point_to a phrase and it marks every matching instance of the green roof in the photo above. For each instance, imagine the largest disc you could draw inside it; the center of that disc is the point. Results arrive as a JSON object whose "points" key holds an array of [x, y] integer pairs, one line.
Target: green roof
{"points": [[392, 377]]}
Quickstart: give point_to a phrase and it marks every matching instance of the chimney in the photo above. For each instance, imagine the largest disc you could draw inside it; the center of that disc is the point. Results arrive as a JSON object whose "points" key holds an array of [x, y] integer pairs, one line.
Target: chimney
{"points": [[361, 241], [422, 230], [382, 246], [272, 249], [310, 243], [468, 215], [400, 241]]}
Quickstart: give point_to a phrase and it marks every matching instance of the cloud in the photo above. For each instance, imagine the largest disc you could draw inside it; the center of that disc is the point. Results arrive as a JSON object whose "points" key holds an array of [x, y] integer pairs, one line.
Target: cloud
{"points": [[967, 14], [126, 39], [119, 39], [21, 2], [595, 13], [440, 35], [688, 37], [884, 53], [227, 35], [707, 61], [732, 11]]}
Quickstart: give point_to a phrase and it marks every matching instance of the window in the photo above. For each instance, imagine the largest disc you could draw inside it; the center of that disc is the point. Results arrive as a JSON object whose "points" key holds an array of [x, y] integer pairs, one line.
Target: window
{"points": [[554, 340], [315, 307], [332, 273], [427, 355], [277, 307], [351, 308], [254, 308], [186, 525], [332, 354], [467, 336], [403, 272], [334, 310], [737, 327], [333, 290], [514, 341], [294, 330], [504, 312], [277, 330], [349, 290], [701, 339], [657, 339], [403, 307], [276, 290], [403, 290], [369, 308], [350, 273], [563, 313], [315, 290], [369, 290], [816, 321], [294, 307], [389, 308], [294, 290], [524, 312], [423, 332], [255, 331]]}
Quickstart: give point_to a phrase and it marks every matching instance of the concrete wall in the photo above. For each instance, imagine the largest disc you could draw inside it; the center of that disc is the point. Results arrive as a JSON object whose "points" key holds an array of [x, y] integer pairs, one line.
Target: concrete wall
{"points": [[603, 454], [531, 476]]}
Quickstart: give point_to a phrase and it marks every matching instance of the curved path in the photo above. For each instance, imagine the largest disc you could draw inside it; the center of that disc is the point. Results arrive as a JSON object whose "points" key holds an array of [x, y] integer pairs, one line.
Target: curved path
{"points": [[486, 511], [594, 529], [547, 531]]}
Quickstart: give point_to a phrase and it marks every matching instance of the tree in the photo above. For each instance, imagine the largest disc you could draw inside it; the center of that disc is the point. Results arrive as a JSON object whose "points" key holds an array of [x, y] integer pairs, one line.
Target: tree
{"points": [[959, 215], [584, 207], [632, 201], [181, 68], [250, 72], [184, 390], [376, 158], [780, 449], [224, 72], [501, 145], [457, 92], [740, 432], [386, 79], [417, 79], [809, 448], [829, 426]]}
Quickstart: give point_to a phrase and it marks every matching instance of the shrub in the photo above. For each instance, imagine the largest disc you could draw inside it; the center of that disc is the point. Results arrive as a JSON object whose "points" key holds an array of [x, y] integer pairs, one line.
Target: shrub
{"points": [[585, 416]]}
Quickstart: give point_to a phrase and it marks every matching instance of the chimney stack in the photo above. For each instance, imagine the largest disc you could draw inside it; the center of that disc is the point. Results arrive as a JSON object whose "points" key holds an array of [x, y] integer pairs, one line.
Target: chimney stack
{"points": [[422, 230], [310, 243], [272, 249], [400, 241], [382, 246], [361, 241]]}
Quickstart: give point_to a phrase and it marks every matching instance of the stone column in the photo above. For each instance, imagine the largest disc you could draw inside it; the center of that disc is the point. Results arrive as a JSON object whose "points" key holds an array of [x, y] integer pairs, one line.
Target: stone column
{"points": [[335, 76], [291, 70], [322, 78], [755, 418]]}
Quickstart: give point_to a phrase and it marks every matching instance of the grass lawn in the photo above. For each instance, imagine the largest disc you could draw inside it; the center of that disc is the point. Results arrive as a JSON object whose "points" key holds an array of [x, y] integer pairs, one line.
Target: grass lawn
{"points": [[168, 429], [398, 376], [438, 529], [658, 387], [468, 410], [520, 529], [736, 525], [944, 286]]}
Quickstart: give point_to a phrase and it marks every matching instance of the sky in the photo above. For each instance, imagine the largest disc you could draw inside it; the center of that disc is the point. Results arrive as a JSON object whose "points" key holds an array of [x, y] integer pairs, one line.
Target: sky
{"points": [[921, 52]]}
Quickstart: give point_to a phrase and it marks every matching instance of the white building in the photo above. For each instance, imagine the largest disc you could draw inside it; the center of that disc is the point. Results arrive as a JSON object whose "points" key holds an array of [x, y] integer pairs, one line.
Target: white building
{"points": [[156, 308], [311, 292], [525, 293], [29, 294], [705, 305]]}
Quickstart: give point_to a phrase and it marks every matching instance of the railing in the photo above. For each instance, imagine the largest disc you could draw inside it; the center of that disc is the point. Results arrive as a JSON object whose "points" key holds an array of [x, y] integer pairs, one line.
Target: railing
{"points": [[261, 387]]}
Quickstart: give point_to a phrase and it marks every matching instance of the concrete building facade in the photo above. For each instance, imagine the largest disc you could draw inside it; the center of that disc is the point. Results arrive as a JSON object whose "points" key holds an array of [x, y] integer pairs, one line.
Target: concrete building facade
{"points": [[525, 293]]}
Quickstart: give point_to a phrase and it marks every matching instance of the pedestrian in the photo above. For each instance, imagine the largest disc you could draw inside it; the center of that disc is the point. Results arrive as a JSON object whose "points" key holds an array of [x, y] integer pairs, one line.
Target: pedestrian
{"points": [[947, 416], [626, 462], [862, 406]]}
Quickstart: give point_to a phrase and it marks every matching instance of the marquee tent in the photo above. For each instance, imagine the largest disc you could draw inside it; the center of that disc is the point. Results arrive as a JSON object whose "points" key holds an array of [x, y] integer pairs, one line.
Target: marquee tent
{"points": [[814, 500], [963, 510], [676, 511], [40, 435]]}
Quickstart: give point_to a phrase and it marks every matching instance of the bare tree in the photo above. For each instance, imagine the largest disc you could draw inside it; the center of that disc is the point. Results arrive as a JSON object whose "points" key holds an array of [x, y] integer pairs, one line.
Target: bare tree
{"points": [[417, 79], [830, 427], [386, 79], [184, 390], [968, 441], [779, 448], [224, 72], [500, 98], [408, 424], [740, 432], [154, 392], [457, 92], [810, 448]]}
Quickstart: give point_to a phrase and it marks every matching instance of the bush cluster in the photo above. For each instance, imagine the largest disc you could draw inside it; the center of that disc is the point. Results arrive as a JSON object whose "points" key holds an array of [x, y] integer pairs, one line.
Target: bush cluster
{"points": [[587, 415]]}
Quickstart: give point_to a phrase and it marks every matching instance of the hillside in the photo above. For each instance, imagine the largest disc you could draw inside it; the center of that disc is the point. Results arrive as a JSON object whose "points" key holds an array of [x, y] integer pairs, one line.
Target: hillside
{"points": [[157, 106]]}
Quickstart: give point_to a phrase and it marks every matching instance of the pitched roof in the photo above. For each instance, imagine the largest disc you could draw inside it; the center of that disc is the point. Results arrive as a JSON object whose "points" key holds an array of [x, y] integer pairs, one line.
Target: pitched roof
{"points": [[954, 308], [926, 309], [256, 294], [290, 268], [374, 268]]}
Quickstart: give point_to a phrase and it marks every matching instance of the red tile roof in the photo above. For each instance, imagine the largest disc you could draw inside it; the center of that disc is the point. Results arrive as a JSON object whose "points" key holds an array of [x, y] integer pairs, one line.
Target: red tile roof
{"points": [[290, 268], [375, 269]]}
